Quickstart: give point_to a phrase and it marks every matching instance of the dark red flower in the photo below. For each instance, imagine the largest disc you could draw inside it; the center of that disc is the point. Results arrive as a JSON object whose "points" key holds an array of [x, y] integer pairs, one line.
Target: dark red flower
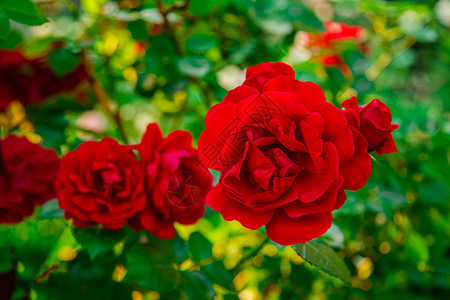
{"points": [[32, 80], [177, 183], [326, 46], [286, 156], [101, 183], [334, 33], [27, 177], [374, 121]]}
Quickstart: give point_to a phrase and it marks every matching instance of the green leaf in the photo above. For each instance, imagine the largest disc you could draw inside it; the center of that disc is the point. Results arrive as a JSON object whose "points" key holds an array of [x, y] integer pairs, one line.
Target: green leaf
{"points": [[201, 7], [51, 210], [63, 61], [97, 240], [23, 11], [202, 286], [194, 66], [150, 272], [319, 254], [138, 29], [5, 261], [11, 42], [199, 246], [299, 12], [417, 247], [219, 275], [4, 24], [180, 249], [201, 42]]}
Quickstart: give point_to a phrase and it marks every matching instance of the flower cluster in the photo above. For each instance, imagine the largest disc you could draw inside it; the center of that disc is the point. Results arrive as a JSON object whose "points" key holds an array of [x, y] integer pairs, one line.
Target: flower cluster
{"points": [[286, 156], [32, 80], [326, 46], [27, 176], [103, 183]]}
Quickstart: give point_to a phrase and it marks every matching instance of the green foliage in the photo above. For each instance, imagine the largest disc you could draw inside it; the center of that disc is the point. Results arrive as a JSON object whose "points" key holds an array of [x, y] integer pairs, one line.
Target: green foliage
{"points": [[4, 24], [318, 254], [23, 11], [194, 66], [97, 240], [200, 248], [219, 275], [63, 61], [389, 240]]}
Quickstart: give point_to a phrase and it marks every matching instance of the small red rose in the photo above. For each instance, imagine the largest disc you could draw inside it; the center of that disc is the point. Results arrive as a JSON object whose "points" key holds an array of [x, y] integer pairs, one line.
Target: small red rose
{"points": [[374, 121], [286, 156], [326, 46], [27, 177], [177, 182], [101, 183]]}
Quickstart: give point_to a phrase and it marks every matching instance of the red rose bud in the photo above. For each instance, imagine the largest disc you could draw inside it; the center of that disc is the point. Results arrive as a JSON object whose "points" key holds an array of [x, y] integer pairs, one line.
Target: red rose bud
{"points": [[374, 121], [101, 183], [286, 156], [27, 176], [177, 183]]}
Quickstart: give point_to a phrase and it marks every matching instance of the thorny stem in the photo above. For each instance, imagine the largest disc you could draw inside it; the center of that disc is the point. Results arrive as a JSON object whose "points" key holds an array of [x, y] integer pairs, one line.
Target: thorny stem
{"points": [[249, 256], [102, 98], [178, 48], [168, 26], [206, 92]]}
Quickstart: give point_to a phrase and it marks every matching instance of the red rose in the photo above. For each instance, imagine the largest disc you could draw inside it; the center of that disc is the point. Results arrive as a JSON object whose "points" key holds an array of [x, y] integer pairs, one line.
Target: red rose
{"points": [[27, 176], [374, 121], [326, 45], [334, 32], [177, 183], [341, 32], [101, 183], [32, 80], [286, 156]]}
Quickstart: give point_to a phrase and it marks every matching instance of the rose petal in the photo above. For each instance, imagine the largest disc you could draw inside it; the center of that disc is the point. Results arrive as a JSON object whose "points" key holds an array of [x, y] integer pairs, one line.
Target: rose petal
{"points": [[357, 169], [323, 204], [311, 186], [219, 200], [285, 230]]}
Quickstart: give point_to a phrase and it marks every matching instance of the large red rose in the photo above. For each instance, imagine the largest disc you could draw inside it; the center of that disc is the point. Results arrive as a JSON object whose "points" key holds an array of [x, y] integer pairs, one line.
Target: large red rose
{"points": [[27, 177], [101, 183], [177, 183], [286, 156], [32, 80], [374, 121]]}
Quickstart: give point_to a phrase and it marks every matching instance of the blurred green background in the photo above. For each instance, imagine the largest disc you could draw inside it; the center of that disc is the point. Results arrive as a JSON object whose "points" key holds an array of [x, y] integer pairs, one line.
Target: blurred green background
{"points": [[168, 62]]}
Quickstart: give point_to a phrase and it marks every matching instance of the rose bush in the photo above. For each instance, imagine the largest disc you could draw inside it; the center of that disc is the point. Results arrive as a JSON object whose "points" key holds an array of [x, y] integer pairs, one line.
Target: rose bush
{"points": [[177, 183], [27, 176], [286, 156], [101, 183]]}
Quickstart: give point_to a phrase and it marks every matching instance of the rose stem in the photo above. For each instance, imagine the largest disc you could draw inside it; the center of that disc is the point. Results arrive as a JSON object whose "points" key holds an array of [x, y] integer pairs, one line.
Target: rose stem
{"points": [[250, 255], [171, 33], [103, 99]]}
